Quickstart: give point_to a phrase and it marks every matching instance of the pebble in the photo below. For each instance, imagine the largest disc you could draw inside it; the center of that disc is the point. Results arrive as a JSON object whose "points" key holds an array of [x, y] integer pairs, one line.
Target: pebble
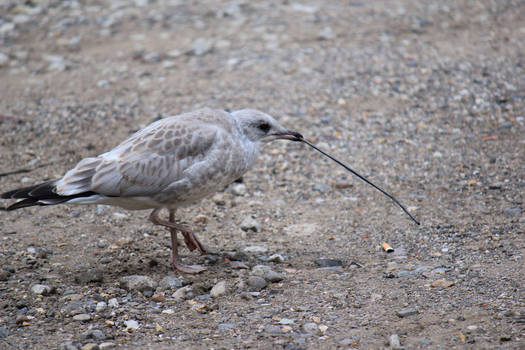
{"points": [[41, 289], [201, 46], [219, 289], [93, 334], [238, 189], [170, 282], [90, 346], [311, 328], [350, 341], [273, 276], [4, 59], [131, 325], [409, 311], [181, 293], [326, 33], [67, 346], [276, 258], [56, 63], [254, 249], [394, 342], [442, 284], [328, 262], [82, 317], [225, 326], [512, 211], [250, 224], [89, 276], [113, 302], [107, 345], [4, 332], [138, 283], [101, 306], [256, 283], [272, 329], [286, 321]]}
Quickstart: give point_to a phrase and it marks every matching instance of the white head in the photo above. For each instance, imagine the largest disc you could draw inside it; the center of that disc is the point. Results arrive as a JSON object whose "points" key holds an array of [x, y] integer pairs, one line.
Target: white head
{"points": [[259, 126]]}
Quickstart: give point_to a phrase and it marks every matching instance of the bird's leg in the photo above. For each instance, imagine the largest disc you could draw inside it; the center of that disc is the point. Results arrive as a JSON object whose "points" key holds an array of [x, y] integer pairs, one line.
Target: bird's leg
{"points": [[191, 240], [174, 228]]}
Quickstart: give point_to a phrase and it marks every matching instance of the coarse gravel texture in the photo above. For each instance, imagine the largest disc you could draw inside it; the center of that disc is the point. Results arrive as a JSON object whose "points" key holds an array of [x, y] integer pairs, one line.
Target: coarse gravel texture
{"points": [[423, 97]]}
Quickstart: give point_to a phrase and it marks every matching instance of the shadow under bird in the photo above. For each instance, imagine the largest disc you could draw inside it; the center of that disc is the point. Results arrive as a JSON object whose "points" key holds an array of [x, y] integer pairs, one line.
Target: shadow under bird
{"points": [[171, 163]]}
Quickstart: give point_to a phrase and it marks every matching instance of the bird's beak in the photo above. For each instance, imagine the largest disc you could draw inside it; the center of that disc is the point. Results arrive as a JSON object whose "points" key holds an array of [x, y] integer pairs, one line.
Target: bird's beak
{"points": [[287, 135]]}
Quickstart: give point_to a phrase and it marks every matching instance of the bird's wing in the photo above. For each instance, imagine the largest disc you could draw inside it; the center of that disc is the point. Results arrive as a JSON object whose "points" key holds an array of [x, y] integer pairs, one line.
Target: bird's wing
{"points": [[146, 163]]}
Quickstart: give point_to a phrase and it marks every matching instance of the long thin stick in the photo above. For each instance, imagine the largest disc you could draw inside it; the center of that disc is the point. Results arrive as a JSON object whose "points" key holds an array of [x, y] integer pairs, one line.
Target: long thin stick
{"points": [[362, 178]]}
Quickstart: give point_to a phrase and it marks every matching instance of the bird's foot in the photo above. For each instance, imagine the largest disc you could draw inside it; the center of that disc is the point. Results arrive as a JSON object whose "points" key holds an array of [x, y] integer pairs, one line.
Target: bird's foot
{"points": [[192, 242], [192, 269]]}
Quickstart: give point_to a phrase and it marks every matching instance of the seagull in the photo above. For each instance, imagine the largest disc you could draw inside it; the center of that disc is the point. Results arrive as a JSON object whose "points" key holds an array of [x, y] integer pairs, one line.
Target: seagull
{"points": [[171, 163]]}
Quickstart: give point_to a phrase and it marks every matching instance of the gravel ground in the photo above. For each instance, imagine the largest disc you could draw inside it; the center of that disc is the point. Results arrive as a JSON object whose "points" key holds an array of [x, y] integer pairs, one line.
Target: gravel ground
{"points": [[424, 97]]}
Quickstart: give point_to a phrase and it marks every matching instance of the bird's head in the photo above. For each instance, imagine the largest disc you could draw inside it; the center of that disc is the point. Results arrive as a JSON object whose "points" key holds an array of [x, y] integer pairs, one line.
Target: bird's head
{"points": [[259, 126]]}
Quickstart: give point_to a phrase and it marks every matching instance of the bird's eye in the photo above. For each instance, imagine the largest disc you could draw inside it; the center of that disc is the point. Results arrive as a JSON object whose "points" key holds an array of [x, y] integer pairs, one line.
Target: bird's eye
{"points": [[264, 127]]}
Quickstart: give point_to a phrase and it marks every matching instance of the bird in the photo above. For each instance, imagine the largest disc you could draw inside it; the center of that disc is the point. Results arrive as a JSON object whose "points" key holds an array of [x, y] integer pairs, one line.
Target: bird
{"points": [[169, 164]]}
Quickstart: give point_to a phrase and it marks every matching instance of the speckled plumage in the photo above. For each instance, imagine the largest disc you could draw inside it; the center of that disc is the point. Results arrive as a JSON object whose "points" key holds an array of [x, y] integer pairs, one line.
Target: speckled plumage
{"points": [[170, 163]]}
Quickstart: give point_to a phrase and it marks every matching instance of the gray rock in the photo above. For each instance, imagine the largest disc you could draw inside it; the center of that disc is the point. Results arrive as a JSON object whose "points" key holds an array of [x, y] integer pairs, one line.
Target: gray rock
{"points": [[276, 258], [101, 306], [271, 329], [113, 302], [131, 325], [201, 46], [93, 334], [250, 224], [512, 211], [41, 289], [138, 283], [394, 342], [286, 321], [349, 341], [170, 282], [273, 276], [328, 262], [67, 346], [254, 249], [225, 326], [82, 317], [4, 59], [4, 332], [326, 34], [73, 308], [260, 270], [409, 311], [107, 345], [256, 283], [311, 328], [89, 276], [90, 346], [56, 63], [219, 289], [238, 189], [182, 293]]}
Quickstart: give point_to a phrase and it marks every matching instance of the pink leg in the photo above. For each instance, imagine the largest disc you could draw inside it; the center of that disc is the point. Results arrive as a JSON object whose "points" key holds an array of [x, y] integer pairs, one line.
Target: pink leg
{"points": [[188, 237]]}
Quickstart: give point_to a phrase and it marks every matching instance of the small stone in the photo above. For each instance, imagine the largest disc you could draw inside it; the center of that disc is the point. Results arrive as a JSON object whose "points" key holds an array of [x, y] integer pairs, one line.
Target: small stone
{"points": [[238, 189], [311, 328], [286, 321], [271, 329], [254, 249], [260, 270], [113, 302], [409, 311], [107, 345], [225, 326], [41, 289], [4, 332], [101, 306], [328, 262], [256, 283], [82, 317], [131, 325], [56, 63], [496, 185], [250, 224], [442, 284], [89, 276], [67, 346], [394, 342], [4, 59], [323, 328], [138, 283], [276, 258], [472, 328], [272, 276], [181, 293], [350, 341], [174, 53], [219, 289], [158, 297], [170, 282], [90, 346], [512, 211], [326, 34], [201, 46], [94, 334]]}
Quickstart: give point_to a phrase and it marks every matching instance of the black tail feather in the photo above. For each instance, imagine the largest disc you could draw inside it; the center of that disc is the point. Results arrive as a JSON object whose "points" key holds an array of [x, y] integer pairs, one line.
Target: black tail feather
{"points": [[41, 194]]}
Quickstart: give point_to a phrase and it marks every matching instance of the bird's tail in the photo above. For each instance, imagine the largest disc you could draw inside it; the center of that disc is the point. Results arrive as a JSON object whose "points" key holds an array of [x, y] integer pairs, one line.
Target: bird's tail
{"points": [[41, 194]]}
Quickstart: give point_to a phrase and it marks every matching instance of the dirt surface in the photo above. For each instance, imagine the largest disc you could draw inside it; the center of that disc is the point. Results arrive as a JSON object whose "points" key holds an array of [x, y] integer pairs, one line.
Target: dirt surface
{"points": [[424, 97]]}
